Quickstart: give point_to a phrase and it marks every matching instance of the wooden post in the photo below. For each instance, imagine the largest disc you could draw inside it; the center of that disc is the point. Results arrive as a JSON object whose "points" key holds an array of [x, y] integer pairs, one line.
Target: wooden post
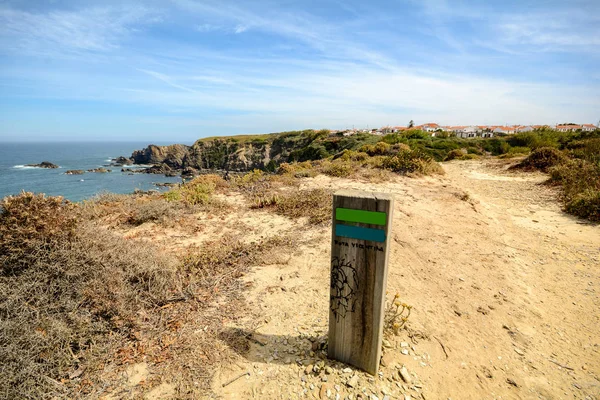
{"points": [[362, 225]]}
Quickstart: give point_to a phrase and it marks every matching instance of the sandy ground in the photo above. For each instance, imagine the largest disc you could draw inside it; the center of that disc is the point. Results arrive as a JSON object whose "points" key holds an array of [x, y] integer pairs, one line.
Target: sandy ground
{"points": [[505, 290], [504, 287]]}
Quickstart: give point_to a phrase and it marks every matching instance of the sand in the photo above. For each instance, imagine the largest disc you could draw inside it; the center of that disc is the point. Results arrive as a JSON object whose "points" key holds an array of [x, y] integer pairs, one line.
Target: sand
{"points": [[504, 288]]}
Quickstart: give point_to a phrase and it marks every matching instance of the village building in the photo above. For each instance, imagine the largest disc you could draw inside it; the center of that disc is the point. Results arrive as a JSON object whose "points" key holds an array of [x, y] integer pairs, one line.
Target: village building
{"points": [[567, 127]]}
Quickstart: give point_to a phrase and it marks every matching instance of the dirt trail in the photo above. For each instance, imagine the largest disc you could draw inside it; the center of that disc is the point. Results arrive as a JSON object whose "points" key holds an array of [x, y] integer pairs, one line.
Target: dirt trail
{"points": [[505, 290]]}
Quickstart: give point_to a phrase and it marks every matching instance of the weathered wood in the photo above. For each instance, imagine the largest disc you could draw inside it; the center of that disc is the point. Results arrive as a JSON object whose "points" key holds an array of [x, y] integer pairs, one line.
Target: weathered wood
{"points": [[359, 254]]}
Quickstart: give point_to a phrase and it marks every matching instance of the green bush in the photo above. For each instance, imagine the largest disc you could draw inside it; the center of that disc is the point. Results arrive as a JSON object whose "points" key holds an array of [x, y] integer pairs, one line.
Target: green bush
{"points": [[542, 159], [454, 154], [585, 205]]}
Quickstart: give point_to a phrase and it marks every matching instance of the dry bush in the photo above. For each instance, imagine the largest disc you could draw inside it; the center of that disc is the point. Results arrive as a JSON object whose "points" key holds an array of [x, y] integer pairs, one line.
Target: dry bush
{"points": [[71, 296], [338, 168], [580, 182], [455, 154], [30, 223], [158, 211], [413, 162], [314, 204], [198, 191], [585, 204], [542, 159], [298, 170]]}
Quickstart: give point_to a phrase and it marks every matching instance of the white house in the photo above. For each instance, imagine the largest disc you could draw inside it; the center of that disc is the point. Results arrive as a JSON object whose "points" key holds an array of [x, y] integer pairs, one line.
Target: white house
{"points": [[525, 128], [588, 127], [469, 132], [567, 128], [504, 129]]}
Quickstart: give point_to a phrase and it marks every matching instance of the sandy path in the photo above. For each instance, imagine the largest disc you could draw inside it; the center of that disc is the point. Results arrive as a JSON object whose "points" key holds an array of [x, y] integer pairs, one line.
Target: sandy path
{"points": [[495, 272]]}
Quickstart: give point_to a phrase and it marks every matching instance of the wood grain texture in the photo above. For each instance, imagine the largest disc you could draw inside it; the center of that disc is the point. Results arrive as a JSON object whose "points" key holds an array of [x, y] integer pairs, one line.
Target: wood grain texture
{"points": [[358, 281]]}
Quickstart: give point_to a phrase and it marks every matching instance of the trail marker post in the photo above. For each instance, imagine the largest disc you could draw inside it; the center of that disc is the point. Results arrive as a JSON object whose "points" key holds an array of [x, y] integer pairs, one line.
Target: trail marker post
{"points": [[362, 225]]}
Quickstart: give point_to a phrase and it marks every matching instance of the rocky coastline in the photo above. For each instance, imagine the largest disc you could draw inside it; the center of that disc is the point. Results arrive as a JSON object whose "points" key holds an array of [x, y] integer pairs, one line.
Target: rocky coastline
{"points": [[43, 164]]}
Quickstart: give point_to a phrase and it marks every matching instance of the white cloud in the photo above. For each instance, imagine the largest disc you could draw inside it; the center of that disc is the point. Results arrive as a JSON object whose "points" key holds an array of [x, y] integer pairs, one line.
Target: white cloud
{"points": [[90, 29], [207, 28], [240, 29]]}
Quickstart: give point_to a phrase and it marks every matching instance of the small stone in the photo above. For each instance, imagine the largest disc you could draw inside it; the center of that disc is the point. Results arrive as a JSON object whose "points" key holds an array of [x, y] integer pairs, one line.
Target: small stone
{"points": [[324, 379], [323, 392], [347, 370], [407, 397], [404, 351], [308, 369], [352, 382], [387, 360], [312, 387], [519, 351], [405, 375], [404, 344], [328, 370], [386, 343]]}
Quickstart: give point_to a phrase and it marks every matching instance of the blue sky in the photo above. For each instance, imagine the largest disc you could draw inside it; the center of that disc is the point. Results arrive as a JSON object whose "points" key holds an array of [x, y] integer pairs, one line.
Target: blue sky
{"points": [[183, 69]]}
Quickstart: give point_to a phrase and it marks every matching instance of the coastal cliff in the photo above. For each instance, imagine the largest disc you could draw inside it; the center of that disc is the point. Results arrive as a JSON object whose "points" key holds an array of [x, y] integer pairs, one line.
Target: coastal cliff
{"points": [[236, 153]]}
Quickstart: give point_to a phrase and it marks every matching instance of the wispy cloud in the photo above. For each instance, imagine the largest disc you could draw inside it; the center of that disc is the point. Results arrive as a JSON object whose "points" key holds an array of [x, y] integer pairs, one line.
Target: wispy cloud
{"points": [[229, 67], [90, 29]]}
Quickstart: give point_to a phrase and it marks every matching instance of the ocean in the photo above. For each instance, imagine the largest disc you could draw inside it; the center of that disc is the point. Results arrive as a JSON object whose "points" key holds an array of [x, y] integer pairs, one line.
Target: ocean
{"points": [[15, 176]]}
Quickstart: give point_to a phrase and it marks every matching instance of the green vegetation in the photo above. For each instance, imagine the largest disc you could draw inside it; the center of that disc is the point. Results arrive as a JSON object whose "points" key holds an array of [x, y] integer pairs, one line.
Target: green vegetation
{"points": [[564, 155], [573, 162]]}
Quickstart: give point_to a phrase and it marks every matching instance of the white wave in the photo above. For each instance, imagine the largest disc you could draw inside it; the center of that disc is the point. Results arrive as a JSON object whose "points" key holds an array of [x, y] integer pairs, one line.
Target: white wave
{"points": [[23, 167], [108, 160]]}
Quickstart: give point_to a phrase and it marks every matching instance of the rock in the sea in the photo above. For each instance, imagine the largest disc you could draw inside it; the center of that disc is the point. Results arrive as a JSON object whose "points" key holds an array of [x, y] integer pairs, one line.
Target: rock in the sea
{"points": [[189, 172], [75, 172], [100, 170], [172, 155], [122, 161], [43, 164]]}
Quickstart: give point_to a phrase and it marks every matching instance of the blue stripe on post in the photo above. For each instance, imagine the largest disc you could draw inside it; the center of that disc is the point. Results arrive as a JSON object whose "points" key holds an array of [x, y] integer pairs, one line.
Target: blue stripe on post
{"points": [[360, 233]]}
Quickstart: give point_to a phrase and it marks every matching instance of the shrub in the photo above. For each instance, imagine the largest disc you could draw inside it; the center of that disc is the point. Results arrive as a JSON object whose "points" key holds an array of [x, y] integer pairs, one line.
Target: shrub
{"points": [[314, 204], [338, 168], [378, 149], [351, 155], [76, 289], [155, 210], [29, 223], [454, 154], [542, 159], [585, 204], [412, 162]]}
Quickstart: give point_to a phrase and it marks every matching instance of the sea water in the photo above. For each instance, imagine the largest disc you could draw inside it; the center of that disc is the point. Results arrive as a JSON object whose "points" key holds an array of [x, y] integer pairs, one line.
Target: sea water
{"points": [[15, 176]]}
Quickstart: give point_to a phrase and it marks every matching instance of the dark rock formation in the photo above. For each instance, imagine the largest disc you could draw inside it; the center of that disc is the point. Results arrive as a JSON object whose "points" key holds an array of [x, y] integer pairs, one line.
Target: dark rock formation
{"points": [[172, 155], [43, 164], [166, 184], [100, 170], [75, 172], [119, 161]]}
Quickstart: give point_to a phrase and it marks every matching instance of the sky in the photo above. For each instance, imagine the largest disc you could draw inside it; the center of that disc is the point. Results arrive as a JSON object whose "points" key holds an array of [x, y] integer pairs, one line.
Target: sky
{"points": [[178, 70]]}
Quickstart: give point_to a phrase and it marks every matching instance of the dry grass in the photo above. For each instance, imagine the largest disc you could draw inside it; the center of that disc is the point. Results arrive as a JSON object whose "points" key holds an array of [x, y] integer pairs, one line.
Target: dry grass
{"points": [[70, 299], [314, 204], [76, 298]]}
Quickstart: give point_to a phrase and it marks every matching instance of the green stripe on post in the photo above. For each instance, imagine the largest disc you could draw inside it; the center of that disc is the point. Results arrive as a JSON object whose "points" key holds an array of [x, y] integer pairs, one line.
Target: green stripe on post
{"points": [[361, 216]]}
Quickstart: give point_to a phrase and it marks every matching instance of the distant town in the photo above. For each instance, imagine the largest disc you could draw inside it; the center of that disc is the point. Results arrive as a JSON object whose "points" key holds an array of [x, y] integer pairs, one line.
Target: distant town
{"points": [[471, 131]]}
